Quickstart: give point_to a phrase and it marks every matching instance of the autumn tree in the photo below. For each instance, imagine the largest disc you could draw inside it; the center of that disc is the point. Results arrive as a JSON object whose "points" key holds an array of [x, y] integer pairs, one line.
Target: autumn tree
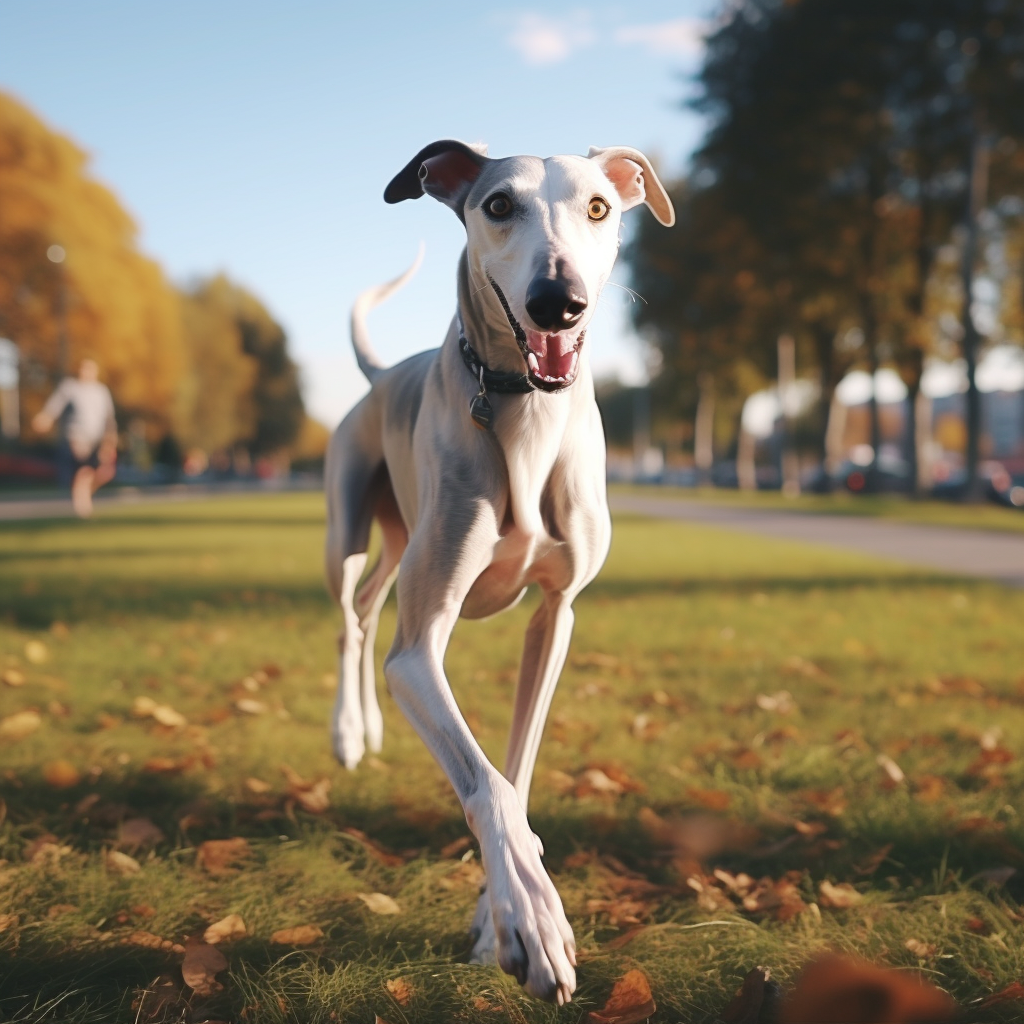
{"points": [[104, 299]]}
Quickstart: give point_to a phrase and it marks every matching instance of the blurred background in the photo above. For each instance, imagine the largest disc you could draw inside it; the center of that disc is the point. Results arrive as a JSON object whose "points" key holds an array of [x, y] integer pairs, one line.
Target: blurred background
{"points": [[192, 197]]}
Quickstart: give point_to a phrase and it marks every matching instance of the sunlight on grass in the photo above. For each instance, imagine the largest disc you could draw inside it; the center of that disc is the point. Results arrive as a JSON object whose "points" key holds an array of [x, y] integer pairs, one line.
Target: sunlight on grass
{"points": [[759, 685]]}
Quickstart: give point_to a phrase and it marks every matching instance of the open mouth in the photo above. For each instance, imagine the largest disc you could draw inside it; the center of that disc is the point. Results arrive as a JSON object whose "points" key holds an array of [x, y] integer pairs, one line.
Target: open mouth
{"points": [[552, 360]]}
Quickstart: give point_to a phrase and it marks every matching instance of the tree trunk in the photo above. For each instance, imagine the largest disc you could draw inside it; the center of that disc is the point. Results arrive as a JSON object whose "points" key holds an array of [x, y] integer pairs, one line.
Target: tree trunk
{"points": [[824, 343], [975, 204], [704, 429], [787, 378], [912, 378]]}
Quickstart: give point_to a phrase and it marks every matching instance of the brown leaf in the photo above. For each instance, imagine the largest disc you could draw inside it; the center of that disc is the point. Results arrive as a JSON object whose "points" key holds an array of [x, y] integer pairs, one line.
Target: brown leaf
{"points": [[630, 1001], [136, 833], [121, 864], [400, 989], [621, 911], [892, 771], [220, 856], [225, 930], [257, 786], [457, 847], [8, 921], [300, 935], [167, 765], [201, 966], [781, 898], [871, 864], [61, 774], [12, 677], [840, 897], [831, 801], [924, 950], [150, 941], [594, 782], [929, 788], [163, 714], [1011, 993], [379, 902], [19, 725], [385, 857], [754, 1001], [841, 990], [712, 799], [625, 938], [36, 652], [160, 1001], [310, 796]]}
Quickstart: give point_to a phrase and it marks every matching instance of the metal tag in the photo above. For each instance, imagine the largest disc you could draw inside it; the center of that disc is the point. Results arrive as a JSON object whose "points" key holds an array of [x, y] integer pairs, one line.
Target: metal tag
{"points": [[481, 412]]}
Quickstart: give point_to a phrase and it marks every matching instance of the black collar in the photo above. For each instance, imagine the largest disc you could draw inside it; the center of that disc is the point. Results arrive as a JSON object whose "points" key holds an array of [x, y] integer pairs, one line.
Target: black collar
{"points": [[500, 382]]}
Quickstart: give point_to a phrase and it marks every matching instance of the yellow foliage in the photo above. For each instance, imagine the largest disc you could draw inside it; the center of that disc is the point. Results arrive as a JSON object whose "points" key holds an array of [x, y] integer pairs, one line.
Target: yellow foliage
{"points": [[119, 307]]}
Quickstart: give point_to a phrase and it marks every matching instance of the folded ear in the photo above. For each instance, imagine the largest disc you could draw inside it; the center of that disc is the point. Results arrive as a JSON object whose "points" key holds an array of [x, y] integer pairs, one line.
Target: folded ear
{"points": [[444, 170], [635, 181]]}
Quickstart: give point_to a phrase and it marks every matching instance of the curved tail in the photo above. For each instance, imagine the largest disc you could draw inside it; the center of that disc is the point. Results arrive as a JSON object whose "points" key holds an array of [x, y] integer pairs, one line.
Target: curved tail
{"points": [[365, 356]]}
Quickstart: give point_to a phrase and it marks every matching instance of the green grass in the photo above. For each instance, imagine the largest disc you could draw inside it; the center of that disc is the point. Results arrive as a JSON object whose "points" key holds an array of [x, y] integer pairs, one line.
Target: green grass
{"points": [[686, 625], [984, 516]]}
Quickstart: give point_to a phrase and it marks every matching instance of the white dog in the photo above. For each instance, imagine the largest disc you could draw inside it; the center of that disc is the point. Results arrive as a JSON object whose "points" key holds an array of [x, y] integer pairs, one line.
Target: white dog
{"points": [[483, 462]]}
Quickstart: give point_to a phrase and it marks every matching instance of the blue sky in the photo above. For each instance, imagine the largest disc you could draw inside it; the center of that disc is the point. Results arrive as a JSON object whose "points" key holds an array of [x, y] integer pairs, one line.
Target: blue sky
{"points": [[257, 137]]}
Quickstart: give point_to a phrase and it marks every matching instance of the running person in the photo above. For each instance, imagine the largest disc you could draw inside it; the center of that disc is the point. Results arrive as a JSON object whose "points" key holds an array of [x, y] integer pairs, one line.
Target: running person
{"points": [[88, 449]]}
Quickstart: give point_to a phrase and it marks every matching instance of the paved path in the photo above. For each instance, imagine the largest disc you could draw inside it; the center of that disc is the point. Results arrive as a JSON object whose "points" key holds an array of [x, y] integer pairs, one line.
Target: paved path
{"points": [[986, 553]]}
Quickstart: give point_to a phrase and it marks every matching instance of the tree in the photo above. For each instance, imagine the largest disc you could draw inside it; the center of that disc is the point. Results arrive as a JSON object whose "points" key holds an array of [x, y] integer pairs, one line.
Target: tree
{"points": [[104, 299]]}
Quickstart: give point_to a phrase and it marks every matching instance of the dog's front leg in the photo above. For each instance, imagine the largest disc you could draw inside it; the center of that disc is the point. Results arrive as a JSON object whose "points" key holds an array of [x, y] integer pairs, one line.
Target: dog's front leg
{"points": [[533, 939]]}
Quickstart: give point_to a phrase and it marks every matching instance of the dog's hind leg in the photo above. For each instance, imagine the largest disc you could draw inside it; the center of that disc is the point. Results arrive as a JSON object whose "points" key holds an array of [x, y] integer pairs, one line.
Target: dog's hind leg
{"points": [[354, 466]]}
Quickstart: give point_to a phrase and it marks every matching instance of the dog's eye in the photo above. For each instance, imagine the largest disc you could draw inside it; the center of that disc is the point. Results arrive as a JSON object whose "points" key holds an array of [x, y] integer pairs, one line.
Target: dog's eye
{"points": [[499, 205], [598, 209]]}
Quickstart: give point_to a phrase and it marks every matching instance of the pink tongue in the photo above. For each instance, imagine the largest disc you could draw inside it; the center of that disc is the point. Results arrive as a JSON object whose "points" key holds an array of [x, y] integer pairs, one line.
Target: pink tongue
{"points": [[553, 352]]}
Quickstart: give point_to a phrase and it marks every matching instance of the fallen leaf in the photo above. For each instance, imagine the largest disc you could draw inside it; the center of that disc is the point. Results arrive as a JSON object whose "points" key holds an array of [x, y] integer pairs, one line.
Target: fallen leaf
{"points": [[36, 652], [840, 897], [831, 801], [255, 785], [248, 706], [754, 1001], [12, 677], [872, 863], [997, 876], [400, 989], [594, 782], [929, 788], [379, 902], [150, 941], [121, 864], [781, 703], [630, 1002], [924, 950], [978, 926], [8, 921], [136, 833], [59, 909], [300, 935], [61, 774], [310, 796], [164, 714], [167, 765], [19, 725], [220, 856], [382, 856], [1011, 993], [457, 847], [225, 930], [559, 781], [201, 966], [782, 898], [837, 988], [893, 772], [161, 1000], [712, 799]]}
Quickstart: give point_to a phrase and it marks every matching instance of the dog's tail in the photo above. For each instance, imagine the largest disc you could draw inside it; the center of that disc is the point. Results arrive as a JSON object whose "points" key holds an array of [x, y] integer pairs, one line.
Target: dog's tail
{"points": [[365, 356]]}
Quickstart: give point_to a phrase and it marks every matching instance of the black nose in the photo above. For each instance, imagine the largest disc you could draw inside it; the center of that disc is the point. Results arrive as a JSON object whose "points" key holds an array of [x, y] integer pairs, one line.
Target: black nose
{"points": [[555, 304]]}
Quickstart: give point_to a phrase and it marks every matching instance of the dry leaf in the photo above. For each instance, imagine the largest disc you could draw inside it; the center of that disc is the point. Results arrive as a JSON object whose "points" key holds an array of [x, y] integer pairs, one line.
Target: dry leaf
{"points": [[925, 950], [121, 864], [36, 652], [379, 902], [595, 782], [300, 935], [150, 941], [871, 864], [1010, 994], [893, 772], [310, 796], [201, 966], [929, 788], [19, 725], [8, 921], [712, 799], [781, 703], [219, 856], [836, 988], [754, 1001], [630, 1002], [12, 677], [841, 896], [401, 991], [561, 782], [385, 857], [61, 774], [164, 714], [225, 930], [457, 847], [255, 785], [136, 833], [248, 706]]}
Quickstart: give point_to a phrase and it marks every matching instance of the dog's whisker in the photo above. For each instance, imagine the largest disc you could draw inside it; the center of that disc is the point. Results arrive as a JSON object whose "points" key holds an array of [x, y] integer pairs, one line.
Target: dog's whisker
{"points": [[629, 291]]}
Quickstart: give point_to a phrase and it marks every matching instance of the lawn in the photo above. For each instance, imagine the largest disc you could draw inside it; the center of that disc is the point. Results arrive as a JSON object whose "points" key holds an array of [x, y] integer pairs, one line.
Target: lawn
{"points": [[843, 731]]}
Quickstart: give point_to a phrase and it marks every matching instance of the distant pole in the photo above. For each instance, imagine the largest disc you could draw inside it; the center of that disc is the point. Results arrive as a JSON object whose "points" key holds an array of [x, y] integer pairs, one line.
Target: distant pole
{"points": [[787, 378], [56, 255], [976, 199]]}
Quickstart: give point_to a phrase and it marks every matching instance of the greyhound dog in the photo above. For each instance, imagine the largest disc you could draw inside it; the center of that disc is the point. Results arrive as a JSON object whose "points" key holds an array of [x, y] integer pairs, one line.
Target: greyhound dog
{"points": [[483, 462]]}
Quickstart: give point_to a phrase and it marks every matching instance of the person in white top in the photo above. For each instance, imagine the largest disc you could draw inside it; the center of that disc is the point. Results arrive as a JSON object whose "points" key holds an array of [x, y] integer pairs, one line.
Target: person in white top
{"points": [[89, 445]]}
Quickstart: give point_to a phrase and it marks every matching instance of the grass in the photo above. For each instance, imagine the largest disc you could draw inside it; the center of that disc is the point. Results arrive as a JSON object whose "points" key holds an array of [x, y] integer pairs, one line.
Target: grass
{"points": [[985, 516], [681, 649]]}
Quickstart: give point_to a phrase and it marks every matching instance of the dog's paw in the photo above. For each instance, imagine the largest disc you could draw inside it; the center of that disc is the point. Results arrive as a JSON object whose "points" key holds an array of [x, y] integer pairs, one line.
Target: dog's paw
{"points": [[347, 739], [532, 939], [481, 931], [373, 725]]}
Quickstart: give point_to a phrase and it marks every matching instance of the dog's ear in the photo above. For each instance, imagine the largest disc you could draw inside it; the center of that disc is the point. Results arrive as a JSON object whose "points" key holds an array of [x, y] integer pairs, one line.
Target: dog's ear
{"points": [[635, 181], [444, 170]]}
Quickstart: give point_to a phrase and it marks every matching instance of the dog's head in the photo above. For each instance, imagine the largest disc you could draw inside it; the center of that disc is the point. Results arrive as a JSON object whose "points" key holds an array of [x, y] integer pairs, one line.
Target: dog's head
{"points": [[543, 236]]}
